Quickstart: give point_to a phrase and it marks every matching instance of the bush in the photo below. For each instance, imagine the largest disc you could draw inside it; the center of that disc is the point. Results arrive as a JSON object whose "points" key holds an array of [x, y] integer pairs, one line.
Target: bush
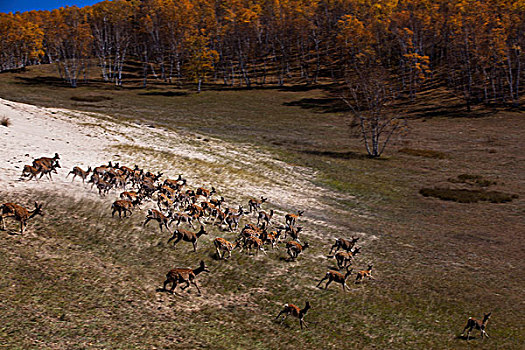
{"points": [[467, 196], [472, 180], [5, 121]]}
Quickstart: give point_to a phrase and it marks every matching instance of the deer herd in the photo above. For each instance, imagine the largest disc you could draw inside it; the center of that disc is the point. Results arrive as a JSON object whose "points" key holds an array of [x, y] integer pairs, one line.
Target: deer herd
{"points": [[178, 205]]}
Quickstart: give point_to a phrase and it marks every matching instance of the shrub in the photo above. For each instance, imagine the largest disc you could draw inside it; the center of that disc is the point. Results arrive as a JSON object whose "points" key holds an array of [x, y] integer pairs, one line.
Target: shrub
{"points": [[467, 196], [5, 121]]}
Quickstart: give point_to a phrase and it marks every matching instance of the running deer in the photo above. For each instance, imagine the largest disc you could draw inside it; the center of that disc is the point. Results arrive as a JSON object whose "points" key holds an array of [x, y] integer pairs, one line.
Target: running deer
{"points": [[344, 259], [346, 245], [265, 217], [183, 217], [201, 191], [294, 248], [255, 204], [122, 205], [181, 275], [49, 162], [223, 245], [187, 236], [335, 276], [478, 325], [271, 238], [79, 172], [217, 202], [253, 242], [156, 215], [19, 213], [291, 309], [30, 171], [48, 170], [292, 218], [364, 273], [293, 232], [233, 219]]}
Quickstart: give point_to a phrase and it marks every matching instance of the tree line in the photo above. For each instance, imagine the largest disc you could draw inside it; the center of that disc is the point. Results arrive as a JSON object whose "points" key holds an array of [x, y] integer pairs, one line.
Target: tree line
{"points": [[474, 46]]}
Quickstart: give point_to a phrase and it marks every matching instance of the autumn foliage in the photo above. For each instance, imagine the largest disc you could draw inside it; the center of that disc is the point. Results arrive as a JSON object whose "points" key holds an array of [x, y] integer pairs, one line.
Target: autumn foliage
{"points": [[474, 46]]}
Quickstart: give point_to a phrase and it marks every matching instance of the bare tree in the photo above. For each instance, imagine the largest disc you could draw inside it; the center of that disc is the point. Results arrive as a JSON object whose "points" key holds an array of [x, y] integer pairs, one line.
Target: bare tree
{"points": [[370, 95]]}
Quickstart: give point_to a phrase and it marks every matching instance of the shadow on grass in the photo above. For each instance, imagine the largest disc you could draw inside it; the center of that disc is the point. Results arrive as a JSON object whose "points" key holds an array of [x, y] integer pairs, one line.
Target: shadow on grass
{"points": [[322, 105], [164, 93], [336, 155]]}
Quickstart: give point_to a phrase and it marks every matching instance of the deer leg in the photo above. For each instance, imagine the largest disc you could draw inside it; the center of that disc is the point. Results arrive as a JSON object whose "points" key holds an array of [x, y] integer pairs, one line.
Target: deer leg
{"points": [[22, 227], [177, 240], [327, 284], [218, 253], [146, 221], [2, 223], [196, 285], [280, 313], [321, 281], [186, 286], [301, 321], [194, 246]]}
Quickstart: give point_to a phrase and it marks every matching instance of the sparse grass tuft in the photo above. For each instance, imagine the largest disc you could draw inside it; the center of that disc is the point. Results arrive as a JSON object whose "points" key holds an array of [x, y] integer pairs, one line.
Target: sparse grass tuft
{"points": [[467, 196], [424, 153], [5, 121]]}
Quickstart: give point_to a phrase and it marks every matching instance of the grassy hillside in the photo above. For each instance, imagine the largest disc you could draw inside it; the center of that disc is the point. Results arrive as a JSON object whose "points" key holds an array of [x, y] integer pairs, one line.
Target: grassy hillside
{"points": [[82, 279]]}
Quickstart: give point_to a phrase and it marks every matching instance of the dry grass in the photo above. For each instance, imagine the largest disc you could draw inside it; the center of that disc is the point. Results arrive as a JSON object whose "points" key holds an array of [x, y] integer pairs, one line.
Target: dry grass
{"points": [[86, 280]]}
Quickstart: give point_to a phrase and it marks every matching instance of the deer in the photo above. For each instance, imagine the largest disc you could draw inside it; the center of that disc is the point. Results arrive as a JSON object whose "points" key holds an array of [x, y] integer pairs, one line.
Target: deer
{"points": [[223, 245], [364, 273], [293, 232], [79, 172], [184, 275], [265, 217], [341, 243], [335, 276], [344, 259], [156, 215], [291, 309], [233, 219], [103, 187], [131, 195], [292, 218], [183, 217], [19, 213], [30, 171], [478, 325], [294, 248], [122, 205], [253, 242], [49, 162], [255, 204], [201, 191], [217, 202], [187, 236], [271, 237], [164, 200], [48, 170]]}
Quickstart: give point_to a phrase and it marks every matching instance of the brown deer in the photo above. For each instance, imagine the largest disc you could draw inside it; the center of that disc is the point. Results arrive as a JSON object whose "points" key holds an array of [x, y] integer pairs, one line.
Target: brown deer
{"points": [[478, 325], [122, 205], [344, 259], [253, 242], [346, 245], [364, 273], [187, 236], [335, 276], [48, 170], [49, 162], [294, 248], [156, 215], [19, 213], [233, 219], [255, 204], [217, 202], [271, 238], [182, 275], [293, 232], [291, 309], [265, 217], [292, 218], [30, 171], [79, 172], [223, 245], [201, 191]]}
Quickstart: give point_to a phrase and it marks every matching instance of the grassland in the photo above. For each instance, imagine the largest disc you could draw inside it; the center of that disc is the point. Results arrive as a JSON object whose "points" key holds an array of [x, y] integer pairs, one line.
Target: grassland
{"points": [[81, 279]]}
